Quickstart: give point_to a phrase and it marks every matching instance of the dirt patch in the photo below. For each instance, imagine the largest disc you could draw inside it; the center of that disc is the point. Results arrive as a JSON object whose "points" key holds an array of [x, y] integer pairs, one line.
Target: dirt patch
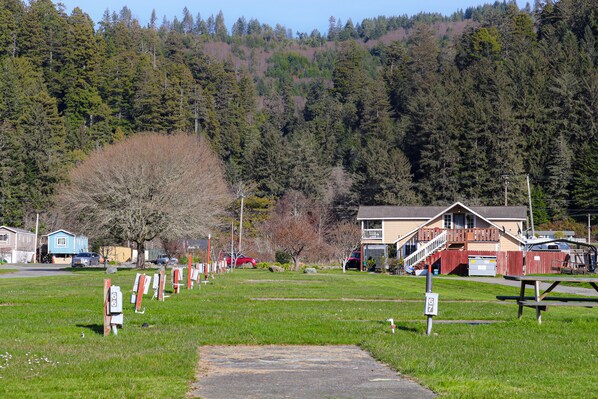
{"points": [[7, 304], [299, 372]]}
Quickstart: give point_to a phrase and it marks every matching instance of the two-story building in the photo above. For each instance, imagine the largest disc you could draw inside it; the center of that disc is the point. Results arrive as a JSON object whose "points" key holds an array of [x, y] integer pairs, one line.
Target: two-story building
{"points": [[426, 234], [16, 245]]}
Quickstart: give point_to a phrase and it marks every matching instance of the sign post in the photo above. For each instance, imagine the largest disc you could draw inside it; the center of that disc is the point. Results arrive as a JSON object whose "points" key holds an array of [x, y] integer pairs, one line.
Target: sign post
{"points": [[189, 273], [431, 303], [161, 285], [107, 316]]}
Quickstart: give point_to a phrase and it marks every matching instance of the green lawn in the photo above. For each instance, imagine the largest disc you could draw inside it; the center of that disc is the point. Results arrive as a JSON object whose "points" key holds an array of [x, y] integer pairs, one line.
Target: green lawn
{"points": [[43, 355], [7, 271]]}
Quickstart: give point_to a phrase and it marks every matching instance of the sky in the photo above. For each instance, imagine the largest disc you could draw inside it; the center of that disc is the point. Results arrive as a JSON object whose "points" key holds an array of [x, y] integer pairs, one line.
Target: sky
{"points": [[297, 15]]}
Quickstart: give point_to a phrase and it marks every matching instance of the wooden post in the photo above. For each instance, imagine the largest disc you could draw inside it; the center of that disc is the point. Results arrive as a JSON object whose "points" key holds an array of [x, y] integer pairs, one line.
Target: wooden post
{"points": [[189, 281], [209, 244], [107, 316], [140, 289], [175, 280]]}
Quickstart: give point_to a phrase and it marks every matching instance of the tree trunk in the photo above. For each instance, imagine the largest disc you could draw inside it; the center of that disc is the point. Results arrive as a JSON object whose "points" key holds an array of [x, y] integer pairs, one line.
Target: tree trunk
{"points": [[296, 262], [141, 255]]}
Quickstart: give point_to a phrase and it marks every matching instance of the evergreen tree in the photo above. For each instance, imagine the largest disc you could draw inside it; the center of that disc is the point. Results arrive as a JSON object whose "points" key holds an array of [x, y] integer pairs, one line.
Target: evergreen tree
{"points": [[384, 176], [269, 163], [584, 190], [11, 16], [558, 175]]}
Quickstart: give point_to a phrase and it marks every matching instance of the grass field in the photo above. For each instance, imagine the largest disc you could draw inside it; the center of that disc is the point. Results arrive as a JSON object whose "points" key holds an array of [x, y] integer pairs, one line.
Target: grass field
{"points": [[44, 355]]}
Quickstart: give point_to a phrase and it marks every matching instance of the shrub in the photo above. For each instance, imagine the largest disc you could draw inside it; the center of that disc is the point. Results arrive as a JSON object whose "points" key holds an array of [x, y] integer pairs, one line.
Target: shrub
{"points": [[286, 266], [282, 257]]}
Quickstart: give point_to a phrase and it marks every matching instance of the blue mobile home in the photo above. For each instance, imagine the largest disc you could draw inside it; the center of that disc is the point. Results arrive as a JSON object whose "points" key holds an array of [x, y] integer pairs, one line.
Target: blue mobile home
{"points": [[64, 244]]}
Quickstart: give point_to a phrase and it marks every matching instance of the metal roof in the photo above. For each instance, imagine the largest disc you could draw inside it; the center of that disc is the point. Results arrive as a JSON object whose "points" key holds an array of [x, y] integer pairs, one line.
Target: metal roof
{"points": [[17, 230], [428, 212]]}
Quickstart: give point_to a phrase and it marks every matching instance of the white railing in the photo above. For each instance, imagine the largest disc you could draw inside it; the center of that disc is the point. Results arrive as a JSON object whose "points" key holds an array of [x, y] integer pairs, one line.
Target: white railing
{"points": [[426, 250], [372, 234]]}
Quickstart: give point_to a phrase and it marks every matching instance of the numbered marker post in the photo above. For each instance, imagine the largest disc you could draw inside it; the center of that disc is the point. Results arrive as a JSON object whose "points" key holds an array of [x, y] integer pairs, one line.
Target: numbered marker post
{"points": [[113, 308], [431, 303]]}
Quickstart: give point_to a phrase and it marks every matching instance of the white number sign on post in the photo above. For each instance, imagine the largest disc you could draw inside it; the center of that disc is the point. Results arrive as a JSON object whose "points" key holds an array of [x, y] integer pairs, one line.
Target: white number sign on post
{"points": [[431, 307]]}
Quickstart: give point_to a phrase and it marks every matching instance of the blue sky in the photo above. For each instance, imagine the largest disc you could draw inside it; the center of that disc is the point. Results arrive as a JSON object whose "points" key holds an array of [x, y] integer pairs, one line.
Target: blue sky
{"points": [[298, 15]]}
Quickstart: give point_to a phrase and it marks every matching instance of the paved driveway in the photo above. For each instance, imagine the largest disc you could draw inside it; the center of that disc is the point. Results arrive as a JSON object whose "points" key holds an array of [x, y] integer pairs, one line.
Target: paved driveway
{"points": [[298, 372], [35, 270]]}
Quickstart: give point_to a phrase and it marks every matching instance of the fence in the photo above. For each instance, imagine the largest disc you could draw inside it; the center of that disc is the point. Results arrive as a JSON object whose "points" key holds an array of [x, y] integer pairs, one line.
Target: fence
{"points": [[508, 262]]}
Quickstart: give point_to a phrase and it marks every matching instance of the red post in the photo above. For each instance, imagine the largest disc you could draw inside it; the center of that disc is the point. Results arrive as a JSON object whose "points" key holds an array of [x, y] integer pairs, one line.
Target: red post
{"points": [[107, 316], [189, 259], [175, 280], [140, 289], [209, 244]]}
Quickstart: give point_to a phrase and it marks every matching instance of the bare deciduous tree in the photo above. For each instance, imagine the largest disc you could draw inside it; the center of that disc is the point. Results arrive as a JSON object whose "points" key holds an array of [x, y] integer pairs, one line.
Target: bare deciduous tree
{"points": [[148, 186], [290, 227], [343, 238]]}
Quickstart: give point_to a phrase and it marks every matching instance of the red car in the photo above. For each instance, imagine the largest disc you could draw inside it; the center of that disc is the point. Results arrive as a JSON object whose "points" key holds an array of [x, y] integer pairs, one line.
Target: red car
{"points": [[241, 260], [354, 261]]}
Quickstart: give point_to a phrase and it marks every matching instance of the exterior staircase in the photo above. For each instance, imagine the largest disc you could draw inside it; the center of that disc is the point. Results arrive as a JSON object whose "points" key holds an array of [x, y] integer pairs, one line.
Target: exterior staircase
{"points": [[423, 252]]}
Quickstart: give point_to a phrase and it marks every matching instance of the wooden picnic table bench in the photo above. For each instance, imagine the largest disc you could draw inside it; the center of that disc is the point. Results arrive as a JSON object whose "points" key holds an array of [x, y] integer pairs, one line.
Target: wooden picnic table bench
{"points": [[540, 301]]}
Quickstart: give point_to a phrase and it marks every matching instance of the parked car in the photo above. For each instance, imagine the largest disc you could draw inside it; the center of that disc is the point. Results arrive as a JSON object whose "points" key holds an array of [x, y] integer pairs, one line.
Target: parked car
{"points": [[354, 260], [241, 260], [551, 246], [165, 260], [86, 259]]}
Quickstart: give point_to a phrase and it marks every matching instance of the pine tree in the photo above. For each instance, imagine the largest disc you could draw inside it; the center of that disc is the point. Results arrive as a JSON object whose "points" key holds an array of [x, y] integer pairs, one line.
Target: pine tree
{"points": [[269, 163], [11, 18], [584, 190], [147, 97], [384, 176], [558, 177]]}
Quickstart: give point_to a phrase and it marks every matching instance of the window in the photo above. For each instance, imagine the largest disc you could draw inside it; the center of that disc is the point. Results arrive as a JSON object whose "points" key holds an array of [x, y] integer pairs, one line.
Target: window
{"points": [[61, 242], [470, 221], [372, 224], [372, 229], [3, 237], [448, 221]]}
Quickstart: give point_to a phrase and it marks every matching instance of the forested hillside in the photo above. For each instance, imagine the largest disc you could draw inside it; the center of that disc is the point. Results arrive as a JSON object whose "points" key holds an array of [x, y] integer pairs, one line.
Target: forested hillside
{"points": [[392, 110]]}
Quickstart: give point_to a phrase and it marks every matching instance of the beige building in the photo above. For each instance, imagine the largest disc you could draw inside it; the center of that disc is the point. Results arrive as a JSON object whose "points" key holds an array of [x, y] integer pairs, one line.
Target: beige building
{"points": [[405, 231], [16, 245]]}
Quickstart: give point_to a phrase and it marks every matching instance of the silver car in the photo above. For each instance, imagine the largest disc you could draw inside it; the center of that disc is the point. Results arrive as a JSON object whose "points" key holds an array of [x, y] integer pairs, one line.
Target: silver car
{"points": [[85, 259]]}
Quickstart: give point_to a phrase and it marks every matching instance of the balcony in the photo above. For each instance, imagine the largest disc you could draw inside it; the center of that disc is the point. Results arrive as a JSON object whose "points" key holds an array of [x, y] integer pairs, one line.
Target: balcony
{"points": [[461, 235], [371, 234]]}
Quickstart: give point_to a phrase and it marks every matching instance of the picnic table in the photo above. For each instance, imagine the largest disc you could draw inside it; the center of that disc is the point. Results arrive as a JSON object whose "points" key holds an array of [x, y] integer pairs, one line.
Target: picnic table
{"points": [[540, 301]]}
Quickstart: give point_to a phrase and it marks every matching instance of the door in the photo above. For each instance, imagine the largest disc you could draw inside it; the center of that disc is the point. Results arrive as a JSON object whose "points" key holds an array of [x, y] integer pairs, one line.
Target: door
{"points": [[459, 220]]}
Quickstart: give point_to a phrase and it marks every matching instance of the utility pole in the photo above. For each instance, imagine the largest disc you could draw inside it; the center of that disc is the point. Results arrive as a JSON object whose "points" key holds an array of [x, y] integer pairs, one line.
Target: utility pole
{"points": [[589, 230], [506, 179], [241, 223], [531, 211], [37, 228]]}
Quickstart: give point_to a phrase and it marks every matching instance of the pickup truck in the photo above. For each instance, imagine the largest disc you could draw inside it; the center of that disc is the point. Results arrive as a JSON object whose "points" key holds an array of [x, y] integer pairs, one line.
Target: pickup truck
{"points": [[241, 260]]}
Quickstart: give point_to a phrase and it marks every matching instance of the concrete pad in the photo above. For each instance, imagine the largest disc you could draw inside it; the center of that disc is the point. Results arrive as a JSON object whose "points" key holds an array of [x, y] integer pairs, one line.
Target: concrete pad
{"points": [[298, 372]]}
